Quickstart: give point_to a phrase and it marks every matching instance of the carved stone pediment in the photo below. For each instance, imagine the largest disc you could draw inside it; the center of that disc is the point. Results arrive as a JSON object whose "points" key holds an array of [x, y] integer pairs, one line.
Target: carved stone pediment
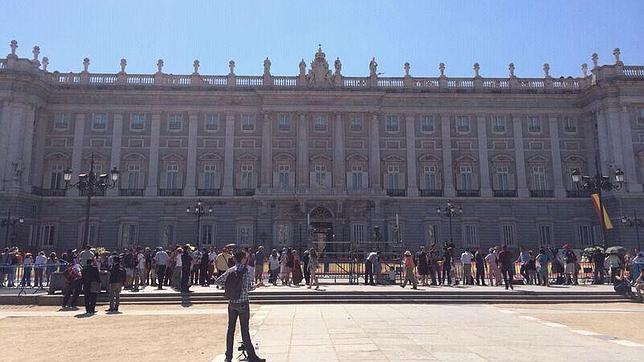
{"points": [[319, 74]]}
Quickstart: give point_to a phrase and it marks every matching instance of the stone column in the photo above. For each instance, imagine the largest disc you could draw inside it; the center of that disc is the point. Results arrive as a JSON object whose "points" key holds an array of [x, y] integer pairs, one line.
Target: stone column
{"points": [[190, 188], [374, 153], [77, 151], [557, 172], [115, 155], [446, 147], [614, 125], [153, 167], [630, 172], [339, 168], [229, 154], [302, 174], [27, 149], [522, 186], [412, 173], [5, 126], [267, 154], [605, 149], [15, 144], [40, 135], [486, 190]]}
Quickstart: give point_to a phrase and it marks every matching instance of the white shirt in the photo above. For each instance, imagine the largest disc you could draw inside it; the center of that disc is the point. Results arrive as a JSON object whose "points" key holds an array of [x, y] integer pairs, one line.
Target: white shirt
{"points": [[161, 257], [491, 260], [141, 259], [178, 263], [466, 257], [41, 260]]}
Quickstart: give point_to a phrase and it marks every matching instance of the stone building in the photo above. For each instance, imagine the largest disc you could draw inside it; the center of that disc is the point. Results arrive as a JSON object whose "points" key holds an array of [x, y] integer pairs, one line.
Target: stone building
{"points": [[357, 158]]}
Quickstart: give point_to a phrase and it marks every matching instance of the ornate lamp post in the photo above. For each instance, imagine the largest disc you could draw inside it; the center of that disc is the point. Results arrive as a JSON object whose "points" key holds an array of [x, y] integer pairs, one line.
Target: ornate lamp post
{"points": [[634, 221], [10, 222], [450, 211], [595, 185], [91, 184], [199, 210]]}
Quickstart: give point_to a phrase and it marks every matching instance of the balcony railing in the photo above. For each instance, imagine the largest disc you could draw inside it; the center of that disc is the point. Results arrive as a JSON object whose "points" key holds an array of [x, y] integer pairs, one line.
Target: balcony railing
{"points": [[244, 192], [170, 192], [131, 192], [542, 193], [48, 192], [431, 193], [208, 192], [505, 193], [577, 193], [96, 192], [396, 192], [468, 193]]}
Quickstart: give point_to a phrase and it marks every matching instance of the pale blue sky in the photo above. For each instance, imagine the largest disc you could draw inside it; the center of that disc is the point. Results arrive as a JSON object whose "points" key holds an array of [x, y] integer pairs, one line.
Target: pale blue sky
{"points": [[494, 33]]}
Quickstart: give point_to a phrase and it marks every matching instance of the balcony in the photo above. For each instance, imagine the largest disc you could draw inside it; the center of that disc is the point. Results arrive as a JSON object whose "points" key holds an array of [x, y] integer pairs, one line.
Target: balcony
{"points": [[577, 193], [542, 193], [48, 192], [208, 192], [505, 193], [431, 193], [244, 192], [96, 192], [131, 192], [468, 193], [171, 192], [396, 192]]}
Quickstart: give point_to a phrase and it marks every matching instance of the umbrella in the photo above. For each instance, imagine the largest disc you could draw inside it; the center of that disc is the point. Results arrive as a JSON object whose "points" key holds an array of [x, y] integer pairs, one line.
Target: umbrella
{"points": [[616, 250], [231, 246]]}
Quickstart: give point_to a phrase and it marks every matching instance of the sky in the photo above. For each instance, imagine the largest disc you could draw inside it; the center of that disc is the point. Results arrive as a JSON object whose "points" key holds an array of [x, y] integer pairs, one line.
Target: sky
{"points": [[423, 33]]}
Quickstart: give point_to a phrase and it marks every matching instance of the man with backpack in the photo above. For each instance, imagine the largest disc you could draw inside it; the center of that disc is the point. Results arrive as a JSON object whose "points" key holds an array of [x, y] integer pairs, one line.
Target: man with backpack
{"points": [[238, 282], [73, 277]]}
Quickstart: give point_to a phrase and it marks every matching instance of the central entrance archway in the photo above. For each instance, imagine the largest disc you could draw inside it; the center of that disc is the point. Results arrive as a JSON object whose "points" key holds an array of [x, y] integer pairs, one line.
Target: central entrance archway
{"points": [[321, 232]]}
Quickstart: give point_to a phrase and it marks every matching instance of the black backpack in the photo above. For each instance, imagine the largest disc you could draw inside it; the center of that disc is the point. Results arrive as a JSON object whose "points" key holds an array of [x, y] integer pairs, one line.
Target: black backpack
{"points": [[233, 285]]}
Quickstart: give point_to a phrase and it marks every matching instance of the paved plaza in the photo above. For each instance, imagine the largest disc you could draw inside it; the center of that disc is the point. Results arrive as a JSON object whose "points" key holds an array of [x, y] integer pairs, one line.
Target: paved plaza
{"points": [[339, 332]]}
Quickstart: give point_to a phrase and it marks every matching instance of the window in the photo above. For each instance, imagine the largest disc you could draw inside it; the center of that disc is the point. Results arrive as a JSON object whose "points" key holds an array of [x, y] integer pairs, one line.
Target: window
{"points": [[133, 174], [462, 124], [48, 235], [167, 234], [429, 176], [570, 125], [470, 234], [585, 235], [393, 177], [171, 177], [56, 180], [137, 121], [284, 122], [99, 122], [284, 172], [539, 177], [283, 232], [534, 124], [394, 233], [427, 124], [175, 122], [61, 122], [128, 234], [502, 178], [498, 124], [209, 175], [207, 234], [212, 122], [545, 234], [93, 233], [246, 176], [466, 177], [392, 124], [356, 176], [507, 234], [245, 234], [432, 234], [248, 122], [320, 123], [320, 175], [357, 233], [356, 124]]}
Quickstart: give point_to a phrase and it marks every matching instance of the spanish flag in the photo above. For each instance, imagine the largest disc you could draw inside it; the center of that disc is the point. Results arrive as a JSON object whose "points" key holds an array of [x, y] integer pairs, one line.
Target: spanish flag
{"points": [[607, 223]]}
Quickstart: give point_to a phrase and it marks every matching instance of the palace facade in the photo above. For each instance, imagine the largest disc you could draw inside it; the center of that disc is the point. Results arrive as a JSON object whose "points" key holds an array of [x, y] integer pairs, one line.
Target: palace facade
{"points": [[357, 158]]}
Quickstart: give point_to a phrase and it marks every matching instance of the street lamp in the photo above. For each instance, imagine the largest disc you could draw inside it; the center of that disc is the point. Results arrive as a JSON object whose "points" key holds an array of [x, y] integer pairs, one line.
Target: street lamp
{"points": [[450, 210], [198, 210], [10, 222], [595, 185], [633, 221], [91, 184]]}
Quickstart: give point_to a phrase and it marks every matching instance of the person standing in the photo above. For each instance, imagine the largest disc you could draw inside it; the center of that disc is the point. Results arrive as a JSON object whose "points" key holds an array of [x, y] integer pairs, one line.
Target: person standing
{"points": [[91, 286], [597, 258], [39, 267], [523, 259], [305, 262], [52, 266], [73, 276], [117, 279], [434, 267], [423, 266], [195, 269], [161, 259], [129, 262], [27, 266], [410, 273], [542, 267], [448, 259], [570, 264], [221, 263], [273, 267], [186, 265], [507, 267], [492, 263], [368, 268], [466, 262], [204, 279], [238, 305], [297, 269], [479, 260], [312, 267], [85, 255]]}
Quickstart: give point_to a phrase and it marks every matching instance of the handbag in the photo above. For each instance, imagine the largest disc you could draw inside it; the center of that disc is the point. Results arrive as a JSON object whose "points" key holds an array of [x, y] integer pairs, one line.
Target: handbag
{"points": [[95, 287]]}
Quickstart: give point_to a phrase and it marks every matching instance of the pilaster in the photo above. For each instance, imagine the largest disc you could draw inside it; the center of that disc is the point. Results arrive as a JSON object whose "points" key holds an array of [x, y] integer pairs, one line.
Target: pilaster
{"points": [[522, 185], [267, 153], [603, 140], [153, 166], [37, 165], [630, 172], [446, 142], [410, 135], [77, 151], [339, 168], [374, 153], [27, 148], [557, 175], [115, 155], [302, 174], [5, 126], [229, 154], [190, 188], [486, 190]]}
